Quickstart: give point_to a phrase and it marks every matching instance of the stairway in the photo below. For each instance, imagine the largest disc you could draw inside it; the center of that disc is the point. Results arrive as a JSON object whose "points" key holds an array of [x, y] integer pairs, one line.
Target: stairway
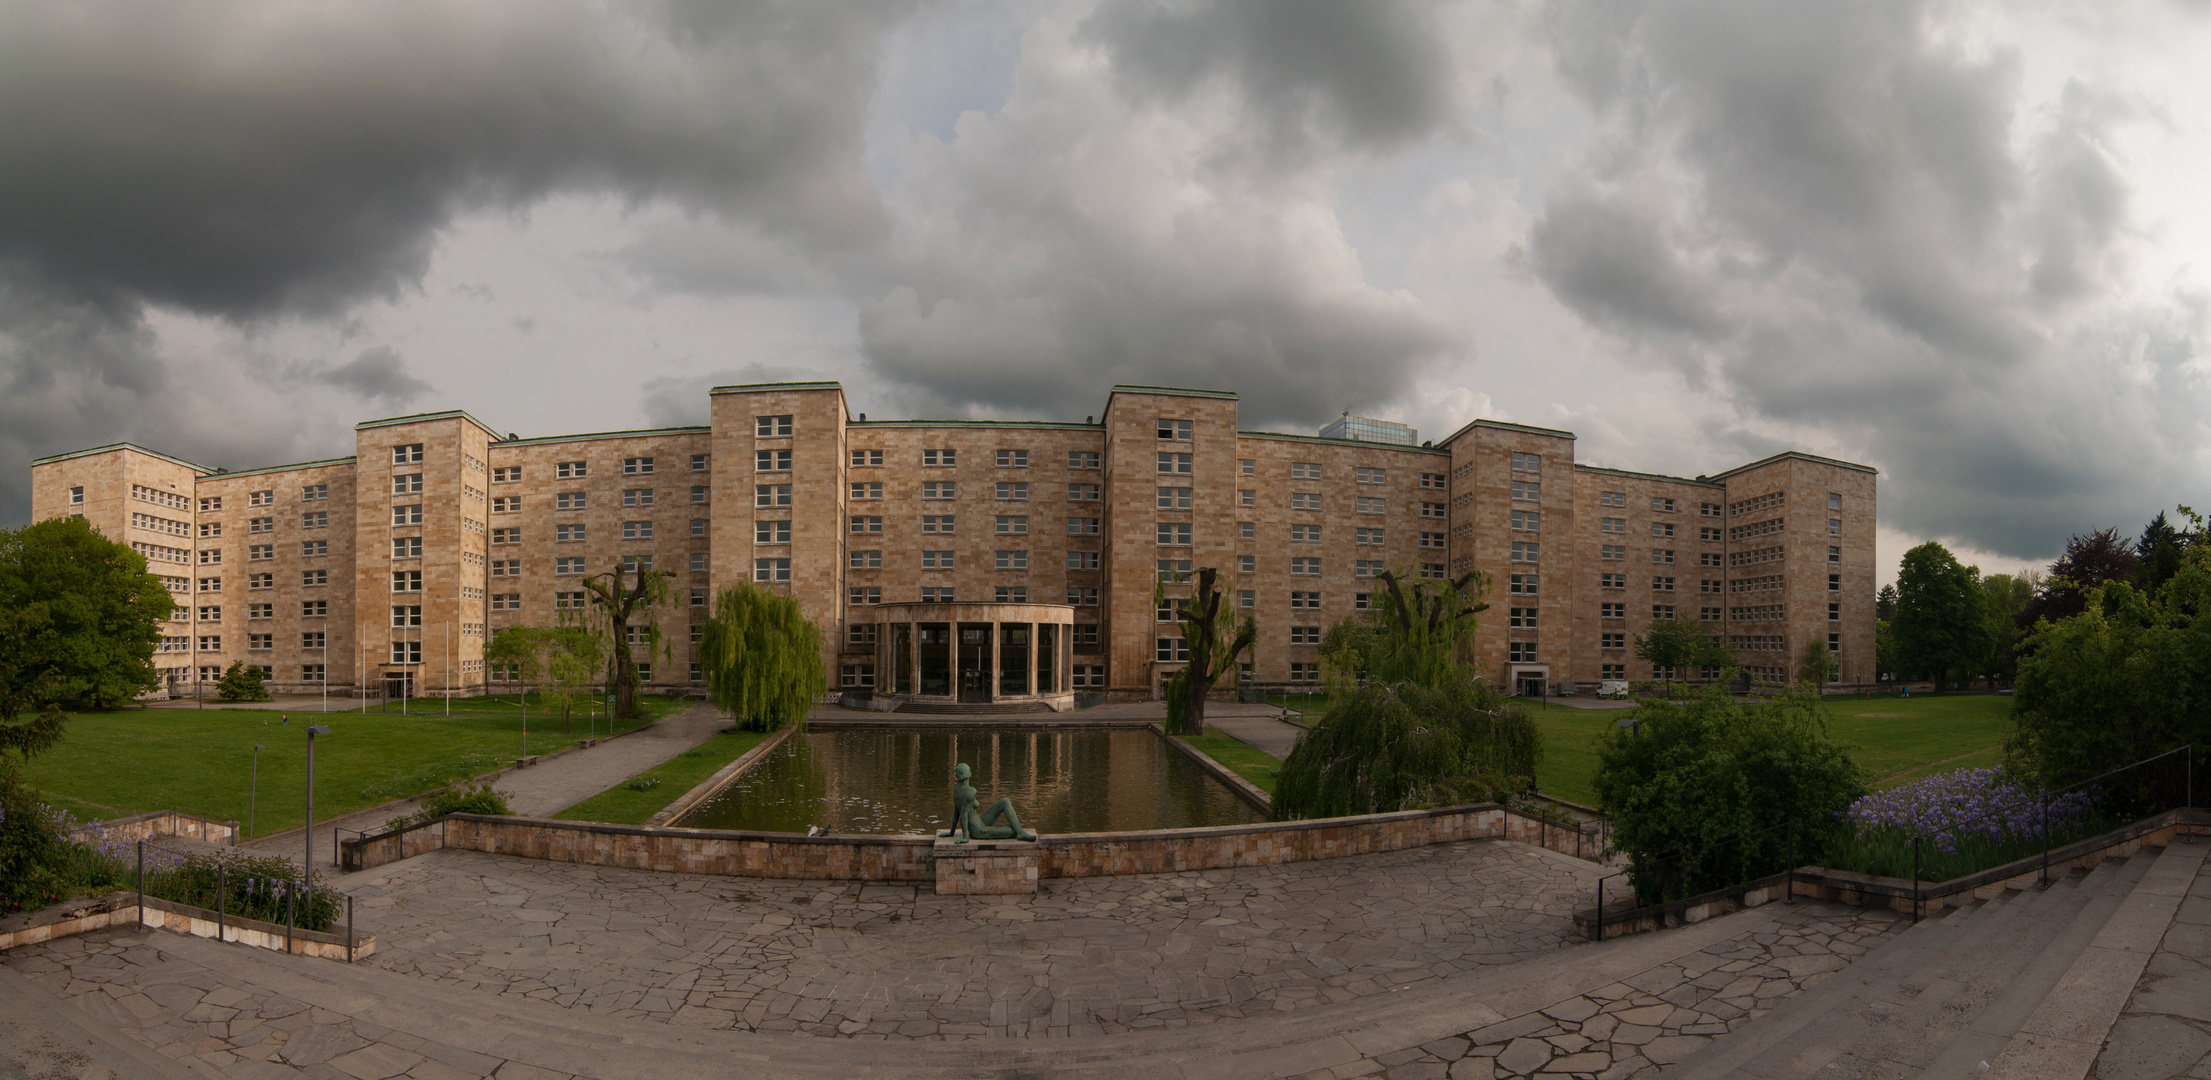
{"points": [[1946, 999]]}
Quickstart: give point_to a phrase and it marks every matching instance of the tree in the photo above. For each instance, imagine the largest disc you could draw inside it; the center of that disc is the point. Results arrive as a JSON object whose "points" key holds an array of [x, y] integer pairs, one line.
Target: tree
{"points": [[2003, 597], [1941, 628], [1694, 773], [2119, 682], [2089, 560], [1671, 645], [762, 658], [83, 619], [616, 605], [1215, 638], [2157, 554], [1424, 632], [1884, 647], [241, 683], [1884, 603], [1347, 653], [1402, 746], [562, 660]]}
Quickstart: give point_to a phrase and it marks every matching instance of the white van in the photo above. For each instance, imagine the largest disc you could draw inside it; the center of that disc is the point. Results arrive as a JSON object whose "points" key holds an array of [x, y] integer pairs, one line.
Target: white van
{"points": [[1612, 688]]}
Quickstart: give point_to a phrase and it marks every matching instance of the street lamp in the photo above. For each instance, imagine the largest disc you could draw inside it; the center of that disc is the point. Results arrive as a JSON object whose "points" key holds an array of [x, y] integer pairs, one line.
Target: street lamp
{"points": [[253, 787], [318, 729]]}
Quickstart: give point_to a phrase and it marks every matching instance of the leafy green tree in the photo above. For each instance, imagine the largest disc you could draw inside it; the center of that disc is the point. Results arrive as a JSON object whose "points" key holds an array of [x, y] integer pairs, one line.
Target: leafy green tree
{"points": [[241, 683], [762, 658], [1672, 645], [1424, 631], [1347, 653], [1692, 773], [1817, 666], [1401, 746], [2159, 551], [1884, 647], [613, 608], [1941, 627], [2119, 682], [82, 618], [1884, 603], [2003, 597], [562, 661], [1215, 637], [2089, 560]]}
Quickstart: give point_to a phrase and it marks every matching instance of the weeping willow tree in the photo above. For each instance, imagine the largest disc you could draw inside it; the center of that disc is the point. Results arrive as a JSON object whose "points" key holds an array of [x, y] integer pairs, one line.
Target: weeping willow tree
{"points": [[1215, 637], [1412, 725], [612, 608], [762, 658]]}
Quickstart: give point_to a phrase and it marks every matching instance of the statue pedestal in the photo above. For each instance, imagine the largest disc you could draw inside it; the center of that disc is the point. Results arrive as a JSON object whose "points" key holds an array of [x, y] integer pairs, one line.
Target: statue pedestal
{"points": [[986, 867]]}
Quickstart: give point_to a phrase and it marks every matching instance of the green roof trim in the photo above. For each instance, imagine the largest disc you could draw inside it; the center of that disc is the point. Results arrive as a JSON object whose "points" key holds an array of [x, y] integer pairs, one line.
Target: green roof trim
{"points": [[324, 463], [1177, 391], [688, 429], [50, 458], [1059, 425], [1364, 444], [1506, 425], [1801, 456], [1708, 482], [418, 418], [758, 387]]}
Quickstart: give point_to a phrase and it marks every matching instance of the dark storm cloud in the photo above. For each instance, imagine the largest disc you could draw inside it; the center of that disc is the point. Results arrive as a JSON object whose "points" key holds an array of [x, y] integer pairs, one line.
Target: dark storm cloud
{"points": [[378, 375], [1898, 267], [1373, 74]]}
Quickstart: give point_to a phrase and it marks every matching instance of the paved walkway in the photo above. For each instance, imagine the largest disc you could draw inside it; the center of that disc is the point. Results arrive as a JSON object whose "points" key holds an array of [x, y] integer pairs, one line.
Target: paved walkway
{"points": [[2165, 1029], [1267, 733], [541, 790]]}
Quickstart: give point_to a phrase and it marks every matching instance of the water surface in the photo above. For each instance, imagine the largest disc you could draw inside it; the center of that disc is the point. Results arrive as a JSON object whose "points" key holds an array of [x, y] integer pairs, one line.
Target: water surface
{"points": [[892, 780]]}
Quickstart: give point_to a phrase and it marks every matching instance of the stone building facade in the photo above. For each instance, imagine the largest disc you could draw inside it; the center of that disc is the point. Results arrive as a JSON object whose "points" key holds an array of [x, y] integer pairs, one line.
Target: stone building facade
{"points": [[392, 567]]}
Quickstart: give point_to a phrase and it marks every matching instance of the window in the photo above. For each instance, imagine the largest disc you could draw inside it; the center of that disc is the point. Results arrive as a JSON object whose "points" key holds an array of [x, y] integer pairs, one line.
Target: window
{"points": [[1520, 652], [1662, 584], [1662, 612], [861, 594], [1368, 567], [1304, 671], [1247, 466], [698, 526], [940, 594], [1082, 526], [1305, 470], [698, 493], [1369, 506], [938, 523], [637, 530], [1614, 671], [1305, 500], [568, 601], [1427, 539], [261, 525], [568, 534], [1082, 597], [864, 560], [1834, 500], [510, 535], [410, 615], [211, 614], [1834, 583], [406, 581], [1178, 430], [1525, 584], [1523, 618], [1523, 551], [259, 552], [858, 675], [1433, 480], [1527, 489], [1427, 509], [1362, 601], [406, 652], [1247, 497], [1612, 551], [1082, 459], [1662, 671], [1310, 534], [407, 484], [632, 562], [1013, 459], [320, 519], [1174, 463], [1305, 564], [568, 500], [406, 547], [1527, 520], [1834, 554], [1662, 506], [309, 579], [762, 461], [1174, 533], [1171, 650], [1612, 610], [506, 475], [1171, 569], [1708, 510], [936, 560], [1082, 492], [410, 514], [1527, 462], [1174, 498], [314, 492], [939, 489], [568, 565], [1012, 559], [1089, 676], [1708, 534], [1010, 594], [1304, 601], [569, 470], [1834, 611], [1662, 555], [644, 496], [1613, 640], [1834, 526], [771, 427], [1710, 586], [506, 601], [762, 495], [211, 643], [1305, 635], [1612, 498], [939, 459], [771, 569], [76, 496], [1012, 524], [864, 459], [1708, 614], [409, 454], [211, 528], [1612, 581], [1370, 476], [638, 466], [867, 489], [771, 532], [1013, 489]]}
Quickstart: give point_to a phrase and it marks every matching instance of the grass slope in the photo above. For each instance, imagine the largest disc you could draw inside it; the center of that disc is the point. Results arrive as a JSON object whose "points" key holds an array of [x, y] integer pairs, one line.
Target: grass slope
{"points": [[134, 760], [618, 805], [1242, 758]]}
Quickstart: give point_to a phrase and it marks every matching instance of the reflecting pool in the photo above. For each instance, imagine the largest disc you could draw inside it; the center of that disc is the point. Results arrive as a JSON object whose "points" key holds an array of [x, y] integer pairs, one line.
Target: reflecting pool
{"points": [[899, 780]]}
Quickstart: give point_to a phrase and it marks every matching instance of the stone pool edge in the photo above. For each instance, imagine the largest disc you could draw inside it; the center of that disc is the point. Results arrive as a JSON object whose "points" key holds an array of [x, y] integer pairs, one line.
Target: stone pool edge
{"points": [[722, 777]]}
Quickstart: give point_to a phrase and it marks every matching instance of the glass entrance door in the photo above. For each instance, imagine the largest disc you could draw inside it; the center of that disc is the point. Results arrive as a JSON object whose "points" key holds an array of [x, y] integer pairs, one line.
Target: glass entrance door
{"points": [[975, 662]]}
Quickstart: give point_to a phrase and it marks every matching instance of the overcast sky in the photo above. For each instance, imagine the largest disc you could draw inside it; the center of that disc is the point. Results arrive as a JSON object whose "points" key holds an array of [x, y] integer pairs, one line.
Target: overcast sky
{"points": [[1959, 242]]}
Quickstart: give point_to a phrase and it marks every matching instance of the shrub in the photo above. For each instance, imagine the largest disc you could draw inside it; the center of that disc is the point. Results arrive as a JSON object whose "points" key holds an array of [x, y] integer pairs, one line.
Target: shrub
{"points": [[1406, 746], [454, 799], [241, 683], [1697, 788], [245, 886], [643, 783]]}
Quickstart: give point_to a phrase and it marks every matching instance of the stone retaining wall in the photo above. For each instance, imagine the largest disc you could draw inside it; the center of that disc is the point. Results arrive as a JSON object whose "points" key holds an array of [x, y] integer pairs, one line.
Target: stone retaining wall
{"points": [[157, 824], [86, 914]]}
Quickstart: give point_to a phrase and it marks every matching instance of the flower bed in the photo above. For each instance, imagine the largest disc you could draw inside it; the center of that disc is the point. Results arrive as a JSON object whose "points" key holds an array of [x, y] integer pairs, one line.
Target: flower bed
{"points": [[1964, 822]]}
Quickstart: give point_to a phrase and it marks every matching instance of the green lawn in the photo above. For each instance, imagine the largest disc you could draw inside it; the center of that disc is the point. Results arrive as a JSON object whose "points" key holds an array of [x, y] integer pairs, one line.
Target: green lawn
{"points": [[620, 805], [1242, 758], [133, 760]]}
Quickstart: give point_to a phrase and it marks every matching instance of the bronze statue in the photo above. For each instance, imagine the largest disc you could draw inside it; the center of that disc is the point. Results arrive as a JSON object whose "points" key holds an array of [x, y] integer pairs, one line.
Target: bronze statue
{"points": [[969, 824]]}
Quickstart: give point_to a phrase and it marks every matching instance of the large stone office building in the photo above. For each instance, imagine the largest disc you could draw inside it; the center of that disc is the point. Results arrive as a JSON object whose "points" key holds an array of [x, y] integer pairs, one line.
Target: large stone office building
{"points": [[1041, 545]]}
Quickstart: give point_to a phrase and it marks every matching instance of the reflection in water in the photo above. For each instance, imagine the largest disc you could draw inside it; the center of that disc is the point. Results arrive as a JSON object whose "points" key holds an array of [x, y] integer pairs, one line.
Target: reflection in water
{"points": [[887, 780]]}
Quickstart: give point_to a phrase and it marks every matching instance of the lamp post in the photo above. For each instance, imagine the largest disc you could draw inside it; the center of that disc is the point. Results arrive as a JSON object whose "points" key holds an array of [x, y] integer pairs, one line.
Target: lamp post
{"points": [[253, 788], [318, 729]]}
